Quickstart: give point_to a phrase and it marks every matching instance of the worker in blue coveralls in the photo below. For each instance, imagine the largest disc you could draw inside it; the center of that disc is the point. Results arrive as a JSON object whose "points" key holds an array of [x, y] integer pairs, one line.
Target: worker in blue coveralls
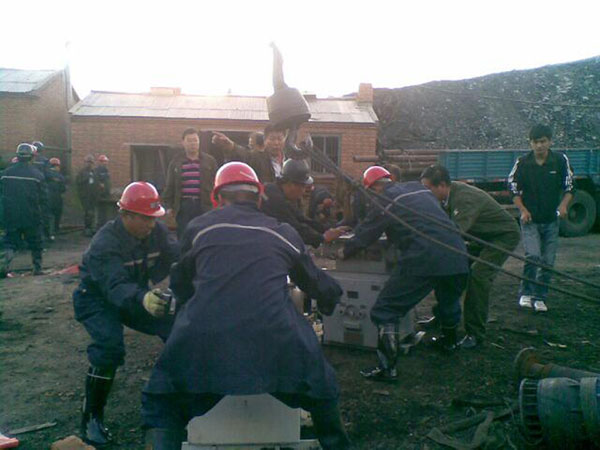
{"points": [[423, 265], [23, 197], [238, 332], [124, 256]]}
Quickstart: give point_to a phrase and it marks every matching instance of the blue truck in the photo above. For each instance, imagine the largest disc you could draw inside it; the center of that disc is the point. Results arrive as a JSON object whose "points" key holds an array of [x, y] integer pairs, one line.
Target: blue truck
{"points": [[489, 169]]}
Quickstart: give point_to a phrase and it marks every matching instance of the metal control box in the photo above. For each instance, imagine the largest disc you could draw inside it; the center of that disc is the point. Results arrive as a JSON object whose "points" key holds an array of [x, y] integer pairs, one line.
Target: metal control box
{"points": [[362, 278]]}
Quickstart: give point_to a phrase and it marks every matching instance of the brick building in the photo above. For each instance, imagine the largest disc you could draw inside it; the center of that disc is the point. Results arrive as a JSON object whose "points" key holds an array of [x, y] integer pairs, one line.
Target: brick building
{"points": [[140, 133], [34, 105]]}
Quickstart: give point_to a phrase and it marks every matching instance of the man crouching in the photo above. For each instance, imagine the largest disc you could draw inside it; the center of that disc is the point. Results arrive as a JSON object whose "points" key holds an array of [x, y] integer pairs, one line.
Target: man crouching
{"points": [[237, 326]]}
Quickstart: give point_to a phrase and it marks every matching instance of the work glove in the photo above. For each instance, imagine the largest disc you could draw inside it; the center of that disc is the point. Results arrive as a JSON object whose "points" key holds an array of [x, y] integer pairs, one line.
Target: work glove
{"points": [[155, 305]]}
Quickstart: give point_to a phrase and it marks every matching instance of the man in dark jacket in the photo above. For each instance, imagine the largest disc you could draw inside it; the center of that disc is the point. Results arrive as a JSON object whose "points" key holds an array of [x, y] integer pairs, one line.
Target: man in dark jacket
{"points": [[423, 265], [87, 191], [56, 189], [541, 183], [189, 181], [104, 204], [237, 327], [123, 257], [23, 199], [282, 199], [267, 161]]}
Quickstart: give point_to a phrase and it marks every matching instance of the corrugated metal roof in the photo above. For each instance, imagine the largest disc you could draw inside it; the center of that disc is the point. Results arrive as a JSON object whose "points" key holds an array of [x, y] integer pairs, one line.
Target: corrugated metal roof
{"points": [[229, 107], [17, 81]]}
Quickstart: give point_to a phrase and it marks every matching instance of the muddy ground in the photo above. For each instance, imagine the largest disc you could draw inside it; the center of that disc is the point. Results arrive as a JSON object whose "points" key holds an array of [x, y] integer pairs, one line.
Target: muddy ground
{"points": [[43, 361]]}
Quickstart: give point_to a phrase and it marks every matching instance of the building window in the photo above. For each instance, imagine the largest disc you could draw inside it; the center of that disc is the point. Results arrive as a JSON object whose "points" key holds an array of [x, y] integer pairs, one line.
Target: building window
{"points": [[330, 145]]}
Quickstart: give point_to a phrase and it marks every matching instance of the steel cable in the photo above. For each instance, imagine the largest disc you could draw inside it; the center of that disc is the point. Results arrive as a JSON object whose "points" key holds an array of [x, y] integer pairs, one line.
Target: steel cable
{"points": [[322, 159]]}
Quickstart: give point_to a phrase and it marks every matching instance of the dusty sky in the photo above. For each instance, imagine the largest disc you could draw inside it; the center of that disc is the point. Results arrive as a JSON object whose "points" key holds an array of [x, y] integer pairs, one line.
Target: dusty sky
{"points": [[329, 46]]}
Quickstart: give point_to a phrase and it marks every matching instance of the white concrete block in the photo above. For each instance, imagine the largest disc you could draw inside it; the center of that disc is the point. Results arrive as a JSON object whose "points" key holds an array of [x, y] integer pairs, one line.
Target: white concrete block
{"points": [[247, 419]]}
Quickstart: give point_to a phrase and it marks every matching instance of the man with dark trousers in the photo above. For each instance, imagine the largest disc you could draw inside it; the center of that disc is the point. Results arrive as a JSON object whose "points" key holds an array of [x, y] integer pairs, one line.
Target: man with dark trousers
{"points": [[281, 200], [86, 184], [477, 213], [238, 332], [190, 177], [423, 265], [24, 200], [125, 255], [103, 205], [541, 183], [56, 189]]}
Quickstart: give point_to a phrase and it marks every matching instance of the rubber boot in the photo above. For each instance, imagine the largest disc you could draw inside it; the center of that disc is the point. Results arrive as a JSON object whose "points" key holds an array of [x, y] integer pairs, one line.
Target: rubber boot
{"points": [[329, 428], [163, 439], [387, 354], [447, 341], [9, 254], [97, 387], [37, 263]]}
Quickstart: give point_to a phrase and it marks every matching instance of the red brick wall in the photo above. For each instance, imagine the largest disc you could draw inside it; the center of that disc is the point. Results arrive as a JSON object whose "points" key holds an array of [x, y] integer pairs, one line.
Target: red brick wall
{"points": [[112, 136], [15, 125]]}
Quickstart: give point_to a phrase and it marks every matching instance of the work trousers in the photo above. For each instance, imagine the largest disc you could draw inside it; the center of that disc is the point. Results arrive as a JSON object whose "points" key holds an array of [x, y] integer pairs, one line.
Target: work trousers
{"points": [[403, 291], [105, 327], [88, 216], [33, 237], [189, 209], [481, 278], [56, 215], [540, 241], [103, 212], [174, 411]]}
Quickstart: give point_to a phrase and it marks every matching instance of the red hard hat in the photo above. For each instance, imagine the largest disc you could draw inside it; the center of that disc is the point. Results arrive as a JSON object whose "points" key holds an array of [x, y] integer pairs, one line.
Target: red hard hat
{"points": [[142, 198], [373, 174], [232, 173], [54, 162], [103, 158]]}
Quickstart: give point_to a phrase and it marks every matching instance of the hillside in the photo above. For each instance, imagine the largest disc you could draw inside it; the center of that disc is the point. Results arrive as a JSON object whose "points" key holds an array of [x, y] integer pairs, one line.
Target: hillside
{"points": [[495, 111]]}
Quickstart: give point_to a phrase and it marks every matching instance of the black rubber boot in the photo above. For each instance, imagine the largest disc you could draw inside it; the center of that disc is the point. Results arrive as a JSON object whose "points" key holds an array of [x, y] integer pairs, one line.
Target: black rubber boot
{"points": [[329, 428], [163, 439], [387, 354], [447, 341], [37, 263], [97, 387]]}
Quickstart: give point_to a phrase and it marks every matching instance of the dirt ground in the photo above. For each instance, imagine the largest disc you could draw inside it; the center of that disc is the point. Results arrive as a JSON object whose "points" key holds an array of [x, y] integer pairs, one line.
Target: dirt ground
{"points": [[43, 360]]}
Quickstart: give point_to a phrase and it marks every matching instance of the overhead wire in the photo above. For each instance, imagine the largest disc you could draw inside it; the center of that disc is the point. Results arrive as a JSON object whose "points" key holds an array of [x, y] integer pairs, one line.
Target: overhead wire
{"points": [[322, 159]]}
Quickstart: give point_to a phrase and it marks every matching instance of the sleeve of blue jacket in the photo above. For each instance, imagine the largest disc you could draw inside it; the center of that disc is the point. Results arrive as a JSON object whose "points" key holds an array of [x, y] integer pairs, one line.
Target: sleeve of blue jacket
{"points": [[109, 273], [169, 252], [367, 232], [316, 283]]}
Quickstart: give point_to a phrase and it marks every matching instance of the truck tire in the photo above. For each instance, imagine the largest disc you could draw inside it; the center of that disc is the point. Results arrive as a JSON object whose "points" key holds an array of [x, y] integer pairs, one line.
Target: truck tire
{"points": [[580, 216]]}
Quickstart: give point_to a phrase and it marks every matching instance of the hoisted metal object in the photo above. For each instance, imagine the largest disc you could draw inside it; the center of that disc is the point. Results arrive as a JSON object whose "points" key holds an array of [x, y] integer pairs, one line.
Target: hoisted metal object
{"points": [[527, 365], [287, 107]]}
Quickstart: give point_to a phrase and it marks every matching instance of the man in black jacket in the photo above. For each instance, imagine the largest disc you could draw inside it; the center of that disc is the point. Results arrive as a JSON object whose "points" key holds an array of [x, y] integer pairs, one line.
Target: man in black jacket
{"points": [[24, 199], [282, 198]]}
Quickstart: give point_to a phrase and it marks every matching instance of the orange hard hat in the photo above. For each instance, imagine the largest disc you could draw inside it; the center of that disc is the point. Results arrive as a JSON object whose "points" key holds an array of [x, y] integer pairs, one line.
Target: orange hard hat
{"points": [[236, 173], [54, 162], [103, 158], [141, 198], [374, 174]]}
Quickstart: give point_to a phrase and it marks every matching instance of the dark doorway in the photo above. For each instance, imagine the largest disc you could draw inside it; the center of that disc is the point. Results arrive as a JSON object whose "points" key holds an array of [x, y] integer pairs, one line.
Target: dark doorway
{"points": [[150, 162]]}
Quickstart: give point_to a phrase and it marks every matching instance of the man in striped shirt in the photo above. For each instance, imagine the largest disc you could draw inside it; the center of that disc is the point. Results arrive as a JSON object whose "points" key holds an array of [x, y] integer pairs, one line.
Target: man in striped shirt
{"points": [[190, 178], [537, 182]]}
